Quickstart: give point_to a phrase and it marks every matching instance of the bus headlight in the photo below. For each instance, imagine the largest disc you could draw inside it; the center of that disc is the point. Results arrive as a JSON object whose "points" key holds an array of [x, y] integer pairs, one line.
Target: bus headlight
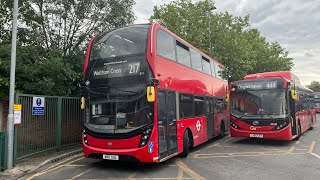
{"points": [[145, 136], [85, 137], [234, 125], [281, 126]]}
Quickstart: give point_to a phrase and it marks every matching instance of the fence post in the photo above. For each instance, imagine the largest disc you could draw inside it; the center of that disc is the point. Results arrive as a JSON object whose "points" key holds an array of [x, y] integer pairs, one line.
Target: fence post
{"points": [[58, 124], [15, 137]]}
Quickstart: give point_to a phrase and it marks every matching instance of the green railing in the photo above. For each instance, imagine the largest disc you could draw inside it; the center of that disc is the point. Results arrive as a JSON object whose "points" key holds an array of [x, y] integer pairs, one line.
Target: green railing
{"points": [[61, 125], [3, 150]]}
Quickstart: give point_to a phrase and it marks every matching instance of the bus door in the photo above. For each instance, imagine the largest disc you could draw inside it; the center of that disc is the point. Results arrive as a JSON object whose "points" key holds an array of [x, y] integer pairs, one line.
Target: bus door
{"points": [[167, 123], [210, 117], [293, 121]]}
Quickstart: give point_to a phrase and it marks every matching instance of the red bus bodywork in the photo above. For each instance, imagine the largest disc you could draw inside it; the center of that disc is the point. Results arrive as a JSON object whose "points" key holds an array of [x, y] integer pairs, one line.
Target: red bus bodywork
{"points": [[173, 77], [301, 119]]}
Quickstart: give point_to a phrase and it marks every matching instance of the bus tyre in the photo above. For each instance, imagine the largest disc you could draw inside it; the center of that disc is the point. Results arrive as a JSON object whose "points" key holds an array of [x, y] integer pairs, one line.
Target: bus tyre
{"points": [[222, 129], [299, 131], [186, 144]]}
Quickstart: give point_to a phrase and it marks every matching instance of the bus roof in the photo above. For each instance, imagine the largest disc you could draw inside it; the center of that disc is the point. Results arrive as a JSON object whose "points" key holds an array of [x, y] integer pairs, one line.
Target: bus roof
{"points": [[289, 76]]}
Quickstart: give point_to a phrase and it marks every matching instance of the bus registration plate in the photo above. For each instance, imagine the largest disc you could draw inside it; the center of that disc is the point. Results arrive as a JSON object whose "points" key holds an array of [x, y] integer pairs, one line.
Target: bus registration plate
{"points": [[256, 135], [111, 157]]}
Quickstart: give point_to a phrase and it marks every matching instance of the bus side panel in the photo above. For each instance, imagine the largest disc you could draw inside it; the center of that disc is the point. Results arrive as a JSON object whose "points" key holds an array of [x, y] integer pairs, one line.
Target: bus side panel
{"points": [[198, 127], [303, 117]]}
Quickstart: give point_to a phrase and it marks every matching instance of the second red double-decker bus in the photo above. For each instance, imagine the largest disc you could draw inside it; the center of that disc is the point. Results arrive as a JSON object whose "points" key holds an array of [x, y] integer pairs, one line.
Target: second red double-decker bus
{"points": [[150, 95], [271, 105]]}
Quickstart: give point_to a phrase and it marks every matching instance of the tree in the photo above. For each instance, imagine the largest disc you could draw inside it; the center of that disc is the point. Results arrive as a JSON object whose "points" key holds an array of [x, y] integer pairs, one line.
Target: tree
{"points": [[314, 85], [52, 39], [238, 46]]}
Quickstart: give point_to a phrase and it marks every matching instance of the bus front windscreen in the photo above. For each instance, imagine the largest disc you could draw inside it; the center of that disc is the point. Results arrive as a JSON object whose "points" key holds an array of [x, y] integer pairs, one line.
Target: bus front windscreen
{"points": [[271, 103]]}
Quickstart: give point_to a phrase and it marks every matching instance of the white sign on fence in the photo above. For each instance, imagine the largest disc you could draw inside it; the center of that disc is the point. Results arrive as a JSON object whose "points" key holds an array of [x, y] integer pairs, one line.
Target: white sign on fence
{"points": [[38, 106]]}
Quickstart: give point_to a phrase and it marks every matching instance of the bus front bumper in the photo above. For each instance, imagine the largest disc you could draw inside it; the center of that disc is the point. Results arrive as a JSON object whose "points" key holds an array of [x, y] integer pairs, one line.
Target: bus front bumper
{"points": [[128, 154], [283, 134]]}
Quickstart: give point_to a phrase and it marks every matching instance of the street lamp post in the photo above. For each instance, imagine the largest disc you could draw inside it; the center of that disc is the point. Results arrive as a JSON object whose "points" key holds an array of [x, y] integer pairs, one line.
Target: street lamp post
{"points": [[10, 122], [209, 12]]}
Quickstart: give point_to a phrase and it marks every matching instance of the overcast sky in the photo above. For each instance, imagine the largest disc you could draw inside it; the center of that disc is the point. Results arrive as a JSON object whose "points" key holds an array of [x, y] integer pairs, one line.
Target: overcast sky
{"points": [[295, 24]]}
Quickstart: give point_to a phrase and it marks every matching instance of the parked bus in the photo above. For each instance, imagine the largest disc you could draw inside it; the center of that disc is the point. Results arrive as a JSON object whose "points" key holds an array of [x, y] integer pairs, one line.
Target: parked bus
{"points": [[150, 95], [317, 101], [271, 105]]}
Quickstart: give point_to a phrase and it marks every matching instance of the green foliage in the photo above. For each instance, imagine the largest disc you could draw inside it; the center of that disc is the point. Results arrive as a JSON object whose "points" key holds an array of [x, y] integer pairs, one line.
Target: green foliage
{"points": [[234, 43], [52, 39], [315, 86]]}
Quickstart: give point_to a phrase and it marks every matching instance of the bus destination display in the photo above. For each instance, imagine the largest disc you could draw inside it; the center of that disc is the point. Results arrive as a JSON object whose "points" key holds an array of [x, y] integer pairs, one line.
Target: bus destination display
{"points": [[117, 69], [256, 85]]}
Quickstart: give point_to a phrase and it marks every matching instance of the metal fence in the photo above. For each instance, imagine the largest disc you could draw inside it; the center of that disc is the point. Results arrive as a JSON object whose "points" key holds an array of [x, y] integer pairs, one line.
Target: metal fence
{"points": [[61, 125], [3, 150]]}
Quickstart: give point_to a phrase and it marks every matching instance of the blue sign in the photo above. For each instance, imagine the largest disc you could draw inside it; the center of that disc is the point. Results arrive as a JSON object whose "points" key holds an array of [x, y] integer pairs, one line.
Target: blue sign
{"points": [[38, 106], [150, 149], [150, 144]]}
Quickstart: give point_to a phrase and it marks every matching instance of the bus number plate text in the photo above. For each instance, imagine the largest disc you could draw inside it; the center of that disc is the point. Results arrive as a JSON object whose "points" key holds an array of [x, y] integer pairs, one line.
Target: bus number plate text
{"points": [[256, 135], [111, 157]]}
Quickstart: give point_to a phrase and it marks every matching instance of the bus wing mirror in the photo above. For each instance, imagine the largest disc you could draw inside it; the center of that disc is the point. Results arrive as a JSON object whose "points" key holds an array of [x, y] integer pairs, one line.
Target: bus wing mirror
{"points": [[150, 94], [82, 102], [294, 94]]}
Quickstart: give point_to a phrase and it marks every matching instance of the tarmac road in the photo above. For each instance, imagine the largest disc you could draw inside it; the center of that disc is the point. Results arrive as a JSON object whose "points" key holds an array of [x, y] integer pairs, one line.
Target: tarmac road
{"points": [[226, 158]]}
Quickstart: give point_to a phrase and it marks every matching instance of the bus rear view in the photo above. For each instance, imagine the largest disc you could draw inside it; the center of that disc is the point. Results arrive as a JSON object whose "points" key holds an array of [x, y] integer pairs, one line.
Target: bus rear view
{"points": [[270, 105]]}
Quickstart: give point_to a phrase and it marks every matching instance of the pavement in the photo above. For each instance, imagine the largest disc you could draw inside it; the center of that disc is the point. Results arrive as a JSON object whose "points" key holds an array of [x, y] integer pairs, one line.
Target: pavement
{"points": [[33, 163], [227, 158]]}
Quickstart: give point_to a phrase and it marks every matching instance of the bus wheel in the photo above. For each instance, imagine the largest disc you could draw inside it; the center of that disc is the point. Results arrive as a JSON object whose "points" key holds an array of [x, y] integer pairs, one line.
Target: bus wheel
{"points": [[186, 144], [299, 131], [222, 129]]}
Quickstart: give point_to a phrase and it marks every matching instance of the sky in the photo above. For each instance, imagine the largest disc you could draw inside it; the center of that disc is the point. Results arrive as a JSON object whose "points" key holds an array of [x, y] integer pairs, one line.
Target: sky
{"points": [[295, 24]]}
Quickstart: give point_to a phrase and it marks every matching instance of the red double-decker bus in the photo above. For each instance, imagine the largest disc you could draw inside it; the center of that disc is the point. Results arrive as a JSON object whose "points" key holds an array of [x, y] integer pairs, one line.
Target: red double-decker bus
{"points": [[271, 105], [150, 95]]}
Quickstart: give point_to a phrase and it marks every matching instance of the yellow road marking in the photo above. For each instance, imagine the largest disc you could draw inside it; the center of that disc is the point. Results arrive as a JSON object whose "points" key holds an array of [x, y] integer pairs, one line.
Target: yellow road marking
{"points": [[304, 146], [138, 179], [196, 151], [226, 146], [82, 173], [186, 169], [180, 174], [54, 167], [133, 174], [239, 152], [298, 149], [249, 155], [297, 142], [228, 140], [74, 165], [213, 145], [311, 147], [291, 149]]}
